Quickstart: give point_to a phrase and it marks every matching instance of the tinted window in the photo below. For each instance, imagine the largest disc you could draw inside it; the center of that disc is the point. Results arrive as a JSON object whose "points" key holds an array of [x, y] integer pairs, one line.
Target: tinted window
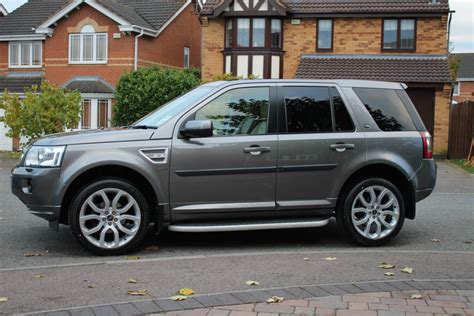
{"points": [[342, 118], [238, 112], [386, 108], [308, 109]]}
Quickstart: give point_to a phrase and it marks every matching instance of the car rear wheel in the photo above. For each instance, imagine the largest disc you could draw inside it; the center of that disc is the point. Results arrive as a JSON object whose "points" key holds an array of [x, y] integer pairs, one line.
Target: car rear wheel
{"points": [[372, 211], [109, 217]]}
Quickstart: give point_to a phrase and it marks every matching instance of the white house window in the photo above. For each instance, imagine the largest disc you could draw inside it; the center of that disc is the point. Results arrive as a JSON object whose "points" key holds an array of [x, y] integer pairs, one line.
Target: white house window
{"points": [[456, 88], [96, 113], [88, 47], [186, 57], [25, 54]]}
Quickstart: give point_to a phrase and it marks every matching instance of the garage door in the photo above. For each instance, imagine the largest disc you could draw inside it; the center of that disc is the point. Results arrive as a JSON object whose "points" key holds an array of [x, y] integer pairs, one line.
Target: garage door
{"points": [[5, 142], [424, 100]]}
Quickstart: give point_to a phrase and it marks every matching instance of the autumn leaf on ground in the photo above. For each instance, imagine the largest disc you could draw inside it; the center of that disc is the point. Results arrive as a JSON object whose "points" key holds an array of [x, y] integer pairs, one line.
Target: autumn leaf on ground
{"points": [[416, 296], [132, 257], [389, 274], [132, 281], [92, 286], [306, 259], [385, 265], [138, 293], [330, 258], [468, 242], [33, 254], [3, 299], [250, 282], [178, 298], [275, 299], [434, 240], [185, 291], [40, 276], [407, 270], [152, 248]]}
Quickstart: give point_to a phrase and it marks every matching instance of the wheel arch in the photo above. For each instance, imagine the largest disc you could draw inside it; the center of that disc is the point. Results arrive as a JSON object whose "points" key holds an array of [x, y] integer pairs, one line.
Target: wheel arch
{"points": [[108, 171], [387, 172]]}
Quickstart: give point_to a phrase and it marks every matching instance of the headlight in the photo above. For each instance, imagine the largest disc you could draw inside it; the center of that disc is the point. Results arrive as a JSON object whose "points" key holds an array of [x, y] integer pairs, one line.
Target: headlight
{"points": [[46, 157]]}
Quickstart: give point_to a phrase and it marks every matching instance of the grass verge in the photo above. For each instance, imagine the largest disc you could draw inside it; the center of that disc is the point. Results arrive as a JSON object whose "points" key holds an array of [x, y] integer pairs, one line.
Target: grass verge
{"points": [[463, 164]]}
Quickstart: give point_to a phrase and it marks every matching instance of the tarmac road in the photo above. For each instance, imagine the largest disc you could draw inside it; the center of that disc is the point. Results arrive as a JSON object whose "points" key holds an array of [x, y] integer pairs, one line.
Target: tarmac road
{"points": [[218, 262]]}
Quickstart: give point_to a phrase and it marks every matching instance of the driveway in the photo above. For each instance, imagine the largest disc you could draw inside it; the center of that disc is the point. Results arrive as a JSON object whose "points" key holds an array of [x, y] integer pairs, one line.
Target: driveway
{"points": [[62, 275]]}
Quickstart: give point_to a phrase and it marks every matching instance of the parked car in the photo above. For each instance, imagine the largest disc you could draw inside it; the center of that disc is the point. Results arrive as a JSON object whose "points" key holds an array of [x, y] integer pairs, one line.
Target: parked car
{"points": [[235, 156]]}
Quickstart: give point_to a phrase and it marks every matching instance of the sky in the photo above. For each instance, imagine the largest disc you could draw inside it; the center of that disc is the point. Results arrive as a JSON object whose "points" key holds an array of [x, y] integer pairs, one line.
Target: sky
{"points": [[462, 31]]}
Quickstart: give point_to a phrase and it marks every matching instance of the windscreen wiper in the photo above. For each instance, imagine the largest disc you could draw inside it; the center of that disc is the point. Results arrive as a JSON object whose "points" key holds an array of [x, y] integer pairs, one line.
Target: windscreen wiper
{"points": [[143, 127]]}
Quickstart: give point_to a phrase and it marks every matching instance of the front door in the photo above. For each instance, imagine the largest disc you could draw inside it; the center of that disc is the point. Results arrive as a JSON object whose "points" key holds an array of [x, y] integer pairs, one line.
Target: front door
{"points": [[233, 173], [318, 146]]}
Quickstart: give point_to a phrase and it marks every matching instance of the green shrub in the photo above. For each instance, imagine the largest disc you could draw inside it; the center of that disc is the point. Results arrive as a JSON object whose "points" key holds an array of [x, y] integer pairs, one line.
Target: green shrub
{"points": [[141, 92]]}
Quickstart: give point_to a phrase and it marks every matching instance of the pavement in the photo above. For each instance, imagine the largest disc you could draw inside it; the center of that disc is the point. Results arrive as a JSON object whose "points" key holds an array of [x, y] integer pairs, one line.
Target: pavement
{"points": [[43, 270]]}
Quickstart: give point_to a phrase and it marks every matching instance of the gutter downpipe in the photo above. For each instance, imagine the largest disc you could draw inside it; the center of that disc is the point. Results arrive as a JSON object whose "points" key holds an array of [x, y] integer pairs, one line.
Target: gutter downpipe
{"points": [[135, 65]]}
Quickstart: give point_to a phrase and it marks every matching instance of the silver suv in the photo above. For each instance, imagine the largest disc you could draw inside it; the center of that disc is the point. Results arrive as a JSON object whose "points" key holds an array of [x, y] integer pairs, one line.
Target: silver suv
{"points": [[235, 156]]}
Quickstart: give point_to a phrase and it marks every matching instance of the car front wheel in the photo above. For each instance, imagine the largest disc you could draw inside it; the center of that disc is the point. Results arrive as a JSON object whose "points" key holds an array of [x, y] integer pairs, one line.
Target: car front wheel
{"points": [[372, 211], [109, 217]]}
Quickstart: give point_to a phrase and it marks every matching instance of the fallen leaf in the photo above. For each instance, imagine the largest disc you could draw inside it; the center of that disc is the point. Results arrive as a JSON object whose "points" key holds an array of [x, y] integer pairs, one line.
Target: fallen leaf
{"points": [[33, 254], [178, 298], [3, 299], [132, 257], [407, 270], [132, 281], [434, 240], [330, 258], [185, 291], [416, 296], [385, 265], [389, 274], [275, 299], [92, 286], [138, 293], [40, 276], [250, 282], [306, 259], [152, 248], [468, 242]]}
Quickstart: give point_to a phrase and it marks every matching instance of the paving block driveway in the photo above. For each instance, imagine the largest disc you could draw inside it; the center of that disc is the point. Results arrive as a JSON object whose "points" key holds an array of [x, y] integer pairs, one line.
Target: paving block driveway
{"points": [[438, 245]]}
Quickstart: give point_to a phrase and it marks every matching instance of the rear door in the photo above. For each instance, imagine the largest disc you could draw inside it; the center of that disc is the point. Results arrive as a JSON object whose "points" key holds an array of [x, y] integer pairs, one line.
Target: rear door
{"points": [[319, 144], [233, 173]]}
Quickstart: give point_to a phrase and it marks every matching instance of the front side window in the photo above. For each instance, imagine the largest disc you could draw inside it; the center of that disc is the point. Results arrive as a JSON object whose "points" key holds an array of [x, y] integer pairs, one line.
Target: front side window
{"points": [[241, 111], [399, 34], [308, 110], [325, 34], [386, 108], [88, 46], [25, 54]]}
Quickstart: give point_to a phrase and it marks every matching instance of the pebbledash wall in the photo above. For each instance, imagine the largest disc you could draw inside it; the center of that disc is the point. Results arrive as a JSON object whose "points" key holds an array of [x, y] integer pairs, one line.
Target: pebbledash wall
{"points": [[351, 36]]}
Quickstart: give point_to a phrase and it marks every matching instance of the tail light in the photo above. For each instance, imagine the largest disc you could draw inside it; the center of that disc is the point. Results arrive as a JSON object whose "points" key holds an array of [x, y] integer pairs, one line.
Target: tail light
{"points": [[427, 145]]}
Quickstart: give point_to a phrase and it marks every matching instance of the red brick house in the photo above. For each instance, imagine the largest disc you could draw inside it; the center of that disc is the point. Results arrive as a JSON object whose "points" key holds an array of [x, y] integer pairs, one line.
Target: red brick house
{"points": [[463, 88], [87, 45], [399, 40]]}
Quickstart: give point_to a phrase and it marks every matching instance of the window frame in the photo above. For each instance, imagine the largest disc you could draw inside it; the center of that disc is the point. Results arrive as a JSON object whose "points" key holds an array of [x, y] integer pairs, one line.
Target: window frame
{"points": [[186, 57], [282, 125], [458, 85], [94, 60], [318, 49], [398, 49], [19, 54], [268, 34]]}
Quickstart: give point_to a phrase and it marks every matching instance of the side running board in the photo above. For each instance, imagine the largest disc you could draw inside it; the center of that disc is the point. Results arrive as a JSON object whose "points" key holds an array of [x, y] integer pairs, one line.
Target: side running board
{"points": [[248, 225]]}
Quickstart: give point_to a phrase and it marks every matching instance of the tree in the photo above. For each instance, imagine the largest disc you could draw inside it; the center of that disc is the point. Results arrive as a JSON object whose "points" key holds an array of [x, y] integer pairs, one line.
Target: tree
{"points": [[47, 109], [141, 92]]}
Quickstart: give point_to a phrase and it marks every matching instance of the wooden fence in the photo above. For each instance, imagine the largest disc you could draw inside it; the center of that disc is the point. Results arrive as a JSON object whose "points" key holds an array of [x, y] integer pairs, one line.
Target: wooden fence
{"points": [[461, 130]]}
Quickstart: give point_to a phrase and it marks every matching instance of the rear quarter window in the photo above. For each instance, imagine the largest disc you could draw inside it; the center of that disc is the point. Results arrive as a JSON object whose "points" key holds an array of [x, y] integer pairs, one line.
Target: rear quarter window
{"points": [[386, 108]]}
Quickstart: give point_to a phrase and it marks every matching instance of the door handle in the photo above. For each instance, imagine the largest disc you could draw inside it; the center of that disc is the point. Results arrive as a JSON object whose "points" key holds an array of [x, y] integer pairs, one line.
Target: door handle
{"points": [[256, 150], [341, 147]]}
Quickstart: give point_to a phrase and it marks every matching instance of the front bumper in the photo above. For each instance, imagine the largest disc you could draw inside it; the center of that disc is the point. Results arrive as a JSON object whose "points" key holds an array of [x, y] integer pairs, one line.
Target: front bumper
{"points": [[40, 189]]}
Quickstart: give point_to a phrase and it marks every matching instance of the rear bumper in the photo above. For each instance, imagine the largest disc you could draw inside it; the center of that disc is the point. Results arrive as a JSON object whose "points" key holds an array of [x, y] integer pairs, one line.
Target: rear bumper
{"points": [[40, 190], [424, 179]]}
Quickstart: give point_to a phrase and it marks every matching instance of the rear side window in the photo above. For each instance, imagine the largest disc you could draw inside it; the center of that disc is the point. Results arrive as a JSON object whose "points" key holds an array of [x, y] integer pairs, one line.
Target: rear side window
{"points": [[343, 120], [308, 109], [386, 109]]}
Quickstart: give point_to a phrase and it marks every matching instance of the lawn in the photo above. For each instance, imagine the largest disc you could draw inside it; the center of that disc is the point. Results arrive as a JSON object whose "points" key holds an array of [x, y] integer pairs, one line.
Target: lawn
{"points": [[463, 164]]}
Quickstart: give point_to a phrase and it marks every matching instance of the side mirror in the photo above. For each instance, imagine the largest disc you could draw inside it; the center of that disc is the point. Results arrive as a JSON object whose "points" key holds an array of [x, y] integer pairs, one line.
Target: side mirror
{"points": [[197, 129]]}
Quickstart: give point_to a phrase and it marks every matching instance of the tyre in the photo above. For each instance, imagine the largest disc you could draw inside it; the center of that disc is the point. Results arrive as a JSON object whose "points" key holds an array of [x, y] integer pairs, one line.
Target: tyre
{"points": [[109, 217], [371, 212]]}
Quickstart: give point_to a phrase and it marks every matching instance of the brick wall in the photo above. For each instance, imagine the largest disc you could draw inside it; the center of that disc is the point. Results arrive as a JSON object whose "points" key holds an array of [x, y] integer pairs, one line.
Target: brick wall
{"points": [[168, 47], [297, 40], [441, 125], [212, 47]]}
